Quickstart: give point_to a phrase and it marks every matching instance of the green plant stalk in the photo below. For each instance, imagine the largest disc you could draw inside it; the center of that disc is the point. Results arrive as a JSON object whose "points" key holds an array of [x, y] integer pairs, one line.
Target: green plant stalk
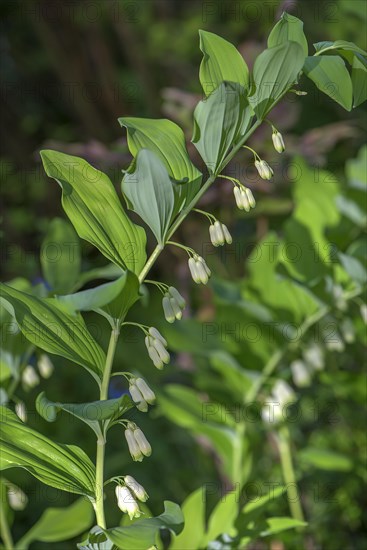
{"points": [[101, 442], [288, 474], [5, 530]]}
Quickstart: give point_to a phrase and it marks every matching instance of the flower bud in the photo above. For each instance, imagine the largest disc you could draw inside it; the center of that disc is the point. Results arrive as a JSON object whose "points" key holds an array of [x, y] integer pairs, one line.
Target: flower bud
{"points": [[176, 309], [278, 141], [134, 448], [30, 378], [147, 393], [45, 366], [348, 331], [16, 497], [237, 196], [137, 397], [156, 334], [168, 310], [177, 296], [213, 235], [314, 357], [266, 170], [21, 411], [363, 311], [205, 265], [226, 233], [136, 488], [219, 233], [153, 354], [250, 197], [300, 373], [126, 502], [283, 393], [194, 270], [142, 442]]}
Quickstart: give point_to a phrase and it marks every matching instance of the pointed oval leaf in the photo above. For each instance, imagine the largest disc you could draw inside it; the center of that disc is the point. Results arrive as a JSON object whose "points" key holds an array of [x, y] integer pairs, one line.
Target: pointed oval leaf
{"points": [[359, 81], [65, 467], [275, 71], [143, 533], [115, 298], [221, 62], [193, 510], [60, 256], [91, 202], [149, 191], [164, 138], [338, 45], [331, 77], [219, 121], [94, 413], [288, 28], [60, 524], [47, 325]]}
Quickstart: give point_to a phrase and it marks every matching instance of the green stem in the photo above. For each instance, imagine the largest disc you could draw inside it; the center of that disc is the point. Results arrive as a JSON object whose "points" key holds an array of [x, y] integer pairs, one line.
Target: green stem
{"points": [[5, 530], [101, 442], [288, 474]]}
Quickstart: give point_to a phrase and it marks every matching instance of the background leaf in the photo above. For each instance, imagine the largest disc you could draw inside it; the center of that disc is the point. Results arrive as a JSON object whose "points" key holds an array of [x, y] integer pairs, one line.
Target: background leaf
{"points": [[60, 256], [193, 510], [91, 202]]}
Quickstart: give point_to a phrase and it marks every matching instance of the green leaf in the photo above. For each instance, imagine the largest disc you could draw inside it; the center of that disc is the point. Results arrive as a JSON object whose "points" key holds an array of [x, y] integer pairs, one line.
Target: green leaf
{"points": [[96, 540], [221, 62], [60, 256], [275, 71], [164, 138], [257, 506], [59, 524], [219, 121], [353, 267], [49, 326], [223, 517], [356, 170], [193, 510], [359, 81], [143, 533], [280, 524], [325, 460], [91, 202], [96, 414], [288, 29], [149, 192], [307, 253], [112, 299], [338, 46], [184, 407], [65, 467], [330, 75]]}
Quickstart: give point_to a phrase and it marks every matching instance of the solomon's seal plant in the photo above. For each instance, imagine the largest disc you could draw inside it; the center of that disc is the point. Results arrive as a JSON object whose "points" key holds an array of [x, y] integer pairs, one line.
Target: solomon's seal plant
{"points": [[162, 186]]}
